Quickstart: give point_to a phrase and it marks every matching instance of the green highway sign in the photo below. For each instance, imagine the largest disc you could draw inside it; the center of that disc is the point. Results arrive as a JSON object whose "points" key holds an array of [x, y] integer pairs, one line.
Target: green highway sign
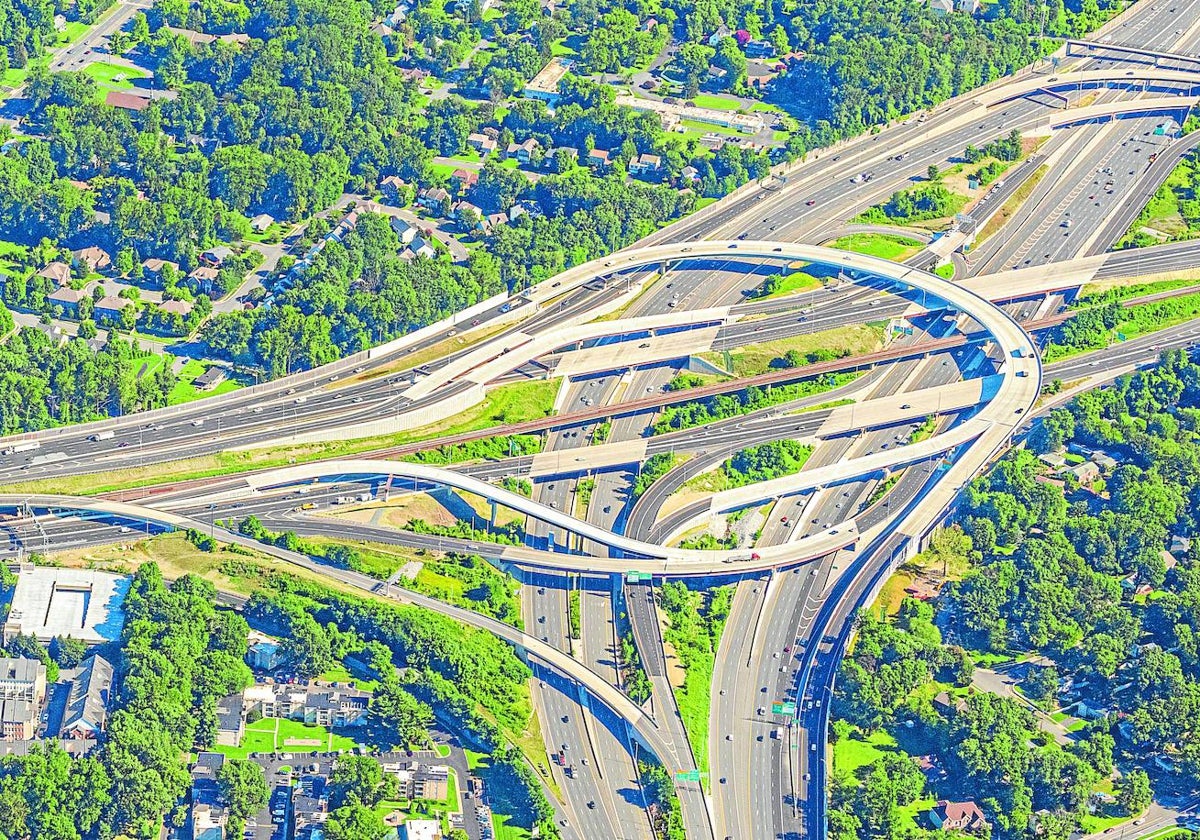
{"points": [[687, 775], [638, 577], [788, 708]]}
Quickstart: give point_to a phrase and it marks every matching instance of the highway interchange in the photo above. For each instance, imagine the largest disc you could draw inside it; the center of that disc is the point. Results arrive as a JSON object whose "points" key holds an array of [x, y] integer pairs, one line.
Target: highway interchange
{"points": [[792, 611]]}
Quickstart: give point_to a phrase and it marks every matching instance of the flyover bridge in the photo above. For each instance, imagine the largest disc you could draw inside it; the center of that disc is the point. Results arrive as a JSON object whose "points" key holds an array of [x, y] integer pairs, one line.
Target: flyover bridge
{"points": [[1080, 47]]}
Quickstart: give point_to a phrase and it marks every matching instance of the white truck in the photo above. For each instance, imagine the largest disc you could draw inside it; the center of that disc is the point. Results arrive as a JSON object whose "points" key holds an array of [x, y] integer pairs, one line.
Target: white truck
{"points": [[22, 446], [105, 435]]}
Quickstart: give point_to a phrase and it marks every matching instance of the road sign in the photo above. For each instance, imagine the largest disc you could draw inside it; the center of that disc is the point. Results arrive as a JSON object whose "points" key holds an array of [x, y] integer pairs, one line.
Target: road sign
{"points": [[1120, 336], [787, 708], [687, 775], [638, 577]]}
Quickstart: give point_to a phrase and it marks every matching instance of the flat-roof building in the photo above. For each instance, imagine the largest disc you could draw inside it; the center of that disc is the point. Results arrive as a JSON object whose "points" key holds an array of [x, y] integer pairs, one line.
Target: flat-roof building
{"points": [[544, 85], [80, 603]]}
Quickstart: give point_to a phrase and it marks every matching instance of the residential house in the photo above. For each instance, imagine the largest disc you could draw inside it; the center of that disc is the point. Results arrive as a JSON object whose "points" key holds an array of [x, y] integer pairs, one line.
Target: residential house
{"points": [[969, 7], [495, 220], [433, 199], [721, 33], [690, 174], [395, 190], [760, 48], [420, 247], [261, 222], [957, 816], [1054, 460], [216, 256], [126, 101], [464, 179], [1084, 473], [405, 230], [91, 259], [598, 158], [59, 272], [265, 655], [1180, 545], [210, 379], [182, 308], [524, 151], [1104, 461], [68, 299], [152, 269], [645, 164], [465, 211], [417, 780], [109, 308], [481, 143], [945, 703], [87, 701], [941, 7], [204, 278]]}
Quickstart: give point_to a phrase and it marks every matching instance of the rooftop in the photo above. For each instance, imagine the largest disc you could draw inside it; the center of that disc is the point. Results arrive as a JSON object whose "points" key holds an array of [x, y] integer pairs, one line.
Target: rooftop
{"points": [[51, 602]]}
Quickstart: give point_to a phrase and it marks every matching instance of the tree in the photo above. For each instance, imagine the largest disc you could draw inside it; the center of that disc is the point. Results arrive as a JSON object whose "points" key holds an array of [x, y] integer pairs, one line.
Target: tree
{"points": [[67, 652], [933, 173], [356, 780], [244, 789], [396, 717], [355, 822], [1134, 795]]}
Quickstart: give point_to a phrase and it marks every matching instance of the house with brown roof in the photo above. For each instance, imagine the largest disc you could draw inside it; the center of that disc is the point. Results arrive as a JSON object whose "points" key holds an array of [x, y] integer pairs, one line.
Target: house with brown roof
{"points": [[481, 143], [183, 308], [59, 272], [957, 816], [152, 269], [110, 308], [394, 189], [68, 299], [464, 179], [599, 158], [126, 101], [523, 152], [92, 258]]}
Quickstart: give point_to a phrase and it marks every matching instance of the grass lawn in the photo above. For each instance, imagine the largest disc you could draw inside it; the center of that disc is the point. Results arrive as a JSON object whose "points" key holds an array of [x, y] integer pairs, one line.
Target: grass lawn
{"points": [[280, 735], [113, 76], [754, 359], [859, 750], [885, 246], [184, 391], [716, 103], [559, 49], [340, 673], [797, 281], [1012, 205], [946, 272], [693, 700]]}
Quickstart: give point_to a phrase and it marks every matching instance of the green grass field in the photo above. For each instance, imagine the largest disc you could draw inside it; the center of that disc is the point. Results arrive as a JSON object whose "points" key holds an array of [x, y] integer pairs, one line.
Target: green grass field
{"points": [[716, 103], [274, 735], [184, 391], [113, 76], [882, 245], [797, 281]]}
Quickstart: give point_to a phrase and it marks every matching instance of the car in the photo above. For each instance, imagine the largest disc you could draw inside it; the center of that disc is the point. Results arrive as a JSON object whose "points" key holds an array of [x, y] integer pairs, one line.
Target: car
{"points": [[476, 322], [357, 400], [905, 406], [728, 737], [810, 202], [783, 519]]}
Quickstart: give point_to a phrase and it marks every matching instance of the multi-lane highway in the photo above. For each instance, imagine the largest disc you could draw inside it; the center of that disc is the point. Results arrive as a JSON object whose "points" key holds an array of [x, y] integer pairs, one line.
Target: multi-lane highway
{"points": [[815, 544]]}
